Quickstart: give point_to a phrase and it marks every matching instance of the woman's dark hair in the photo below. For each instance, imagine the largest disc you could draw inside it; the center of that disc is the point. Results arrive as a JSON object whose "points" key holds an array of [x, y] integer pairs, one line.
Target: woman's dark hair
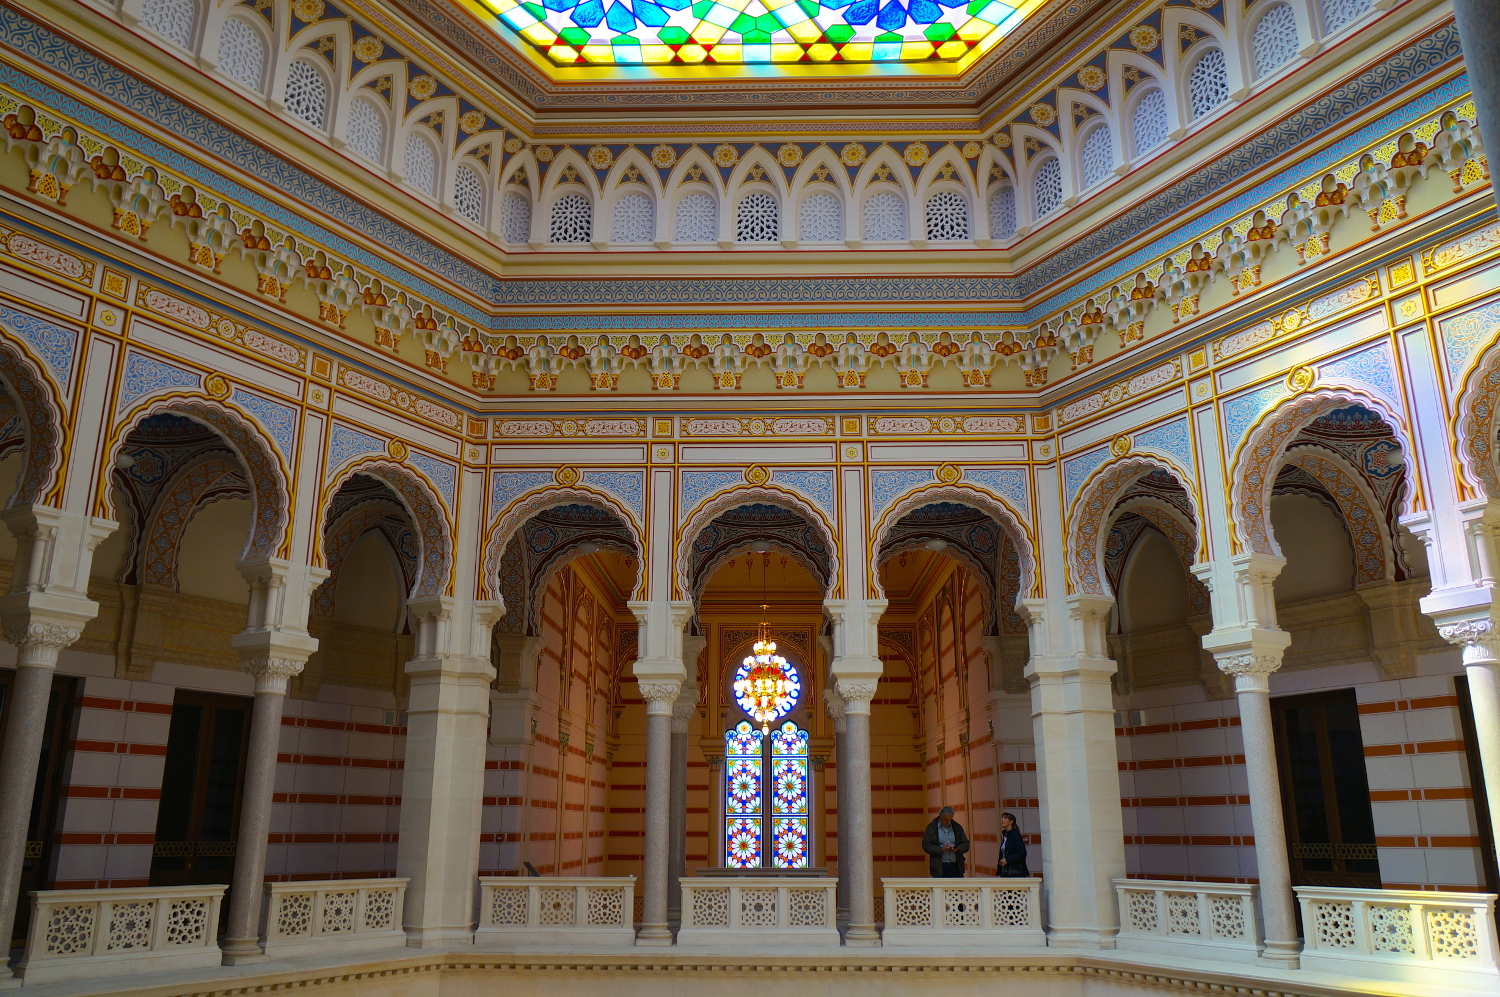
{"points": [[1014, 823]]}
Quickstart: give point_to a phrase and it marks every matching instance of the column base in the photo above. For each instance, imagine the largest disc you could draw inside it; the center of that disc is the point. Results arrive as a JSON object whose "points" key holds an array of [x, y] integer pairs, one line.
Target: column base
{"points": [[654, 935], [862, 936], [242, 952], [1282, 955], [433, 938]]}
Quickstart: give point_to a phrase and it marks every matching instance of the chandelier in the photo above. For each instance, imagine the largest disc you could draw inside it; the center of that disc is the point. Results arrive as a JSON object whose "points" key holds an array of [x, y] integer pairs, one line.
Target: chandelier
{"points": [[766, 686]]}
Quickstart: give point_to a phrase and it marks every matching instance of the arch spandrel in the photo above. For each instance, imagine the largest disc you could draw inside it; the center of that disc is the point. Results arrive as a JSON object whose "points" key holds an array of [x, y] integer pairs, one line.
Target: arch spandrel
{"points": [[270, 532], [1251, 477]]}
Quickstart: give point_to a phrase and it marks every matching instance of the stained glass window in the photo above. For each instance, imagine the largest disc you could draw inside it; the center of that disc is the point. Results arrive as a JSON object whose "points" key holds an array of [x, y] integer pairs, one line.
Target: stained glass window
{"points": [[748, 822], [720, 32]]}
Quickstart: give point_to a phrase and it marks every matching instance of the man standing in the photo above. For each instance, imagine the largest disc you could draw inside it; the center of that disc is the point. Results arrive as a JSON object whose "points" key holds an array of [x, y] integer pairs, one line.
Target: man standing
{"points": [[945, 843]]}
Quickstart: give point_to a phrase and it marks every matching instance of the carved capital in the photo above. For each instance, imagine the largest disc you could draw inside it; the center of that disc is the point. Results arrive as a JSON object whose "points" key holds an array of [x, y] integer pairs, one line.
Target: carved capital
{"points": [[1249, 663], [1477, 637], [659, 694], [272, 673], [856, 694], [682, 713], [835, 704], [38, 641]]}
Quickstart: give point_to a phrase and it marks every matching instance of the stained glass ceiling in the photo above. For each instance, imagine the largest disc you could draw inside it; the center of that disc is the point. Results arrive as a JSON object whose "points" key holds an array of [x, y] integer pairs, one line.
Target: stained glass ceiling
{"points": [[941, 35]]}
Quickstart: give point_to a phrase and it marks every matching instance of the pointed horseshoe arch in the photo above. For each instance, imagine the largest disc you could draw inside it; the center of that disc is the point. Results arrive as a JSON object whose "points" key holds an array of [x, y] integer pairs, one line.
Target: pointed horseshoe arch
{"points": [[43, 418], [959, 494], [434, 533], [1252, 476], [753, 495], [1093, 508], [516, 516]]}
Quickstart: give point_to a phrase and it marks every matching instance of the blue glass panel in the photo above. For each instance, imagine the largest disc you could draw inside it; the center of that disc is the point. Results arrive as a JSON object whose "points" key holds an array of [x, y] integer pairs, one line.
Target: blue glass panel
{"points": [[862, 12], [892, 17], [589, 15], [925, 11], [742, 842], [790, 835], [620, 18], [650, 14]]}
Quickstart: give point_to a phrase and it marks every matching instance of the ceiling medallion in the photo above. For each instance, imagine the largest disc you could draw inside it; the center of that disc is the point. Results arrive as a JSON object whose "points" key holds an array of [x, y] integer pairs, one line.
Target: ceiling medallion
{"points": [[949, 473], [1121, 446], [567, 476], [1302, 378], [756, 474], [397, 450], [216, 386]]}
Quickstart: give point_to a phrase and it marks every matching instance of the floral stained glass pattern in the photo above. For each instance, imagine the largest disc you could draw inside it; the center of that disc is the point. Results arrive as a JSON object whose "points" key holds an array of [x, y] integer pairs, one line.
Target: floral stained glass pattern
{"points": [[750, 32], [743, 800], [789, 804], [747, 824]]}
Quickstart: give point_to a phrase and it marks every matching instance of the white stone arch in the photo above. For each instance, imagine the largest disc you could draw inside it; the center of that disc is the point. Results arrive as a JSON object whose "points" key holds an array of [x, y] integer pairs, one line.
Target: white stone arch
{"points": [[1028, 189], [698, 157], [146, 11], [555, 188], [930, 182], [1253, 468], [41, 409], [633, 156], [615, 193], [1152, 78], [433, 526], [265, 468], [961, 493], [899, 182], [1093, 513], [523, 508], [1182, 69], [768, 494], [837, 185], [1247, 23]]}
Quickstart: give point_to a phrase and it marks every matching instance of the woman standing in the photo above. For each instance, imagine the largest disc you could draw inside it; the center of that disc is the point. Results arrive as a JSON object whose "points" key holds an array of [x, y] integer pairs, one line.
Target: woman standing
{"points": [[1012, 848]]}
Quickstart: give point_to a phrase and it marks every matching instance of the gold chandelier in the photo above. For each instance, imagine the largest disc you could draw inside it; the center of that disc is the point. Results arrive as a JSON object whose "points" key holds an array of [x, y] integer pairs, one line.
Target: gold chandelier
{"points": [[766, 686]]}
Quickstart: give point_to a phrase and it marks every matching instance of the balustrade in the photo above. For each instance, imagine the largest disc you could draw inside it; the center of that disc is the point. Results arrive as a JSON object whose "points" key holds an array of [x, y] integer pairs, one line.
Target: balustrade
{"points": [[556, 911], [746, 910], [1203, 920], [1443, 939], [972, 913], [343, 915], [79, 934]]}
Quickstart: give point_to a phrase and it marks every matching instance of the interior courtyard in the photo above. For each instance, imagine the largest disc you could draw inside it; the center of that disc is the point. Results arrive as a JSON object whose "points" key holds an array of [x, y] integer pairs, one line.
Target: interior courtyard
{"points": [[575, 496]]}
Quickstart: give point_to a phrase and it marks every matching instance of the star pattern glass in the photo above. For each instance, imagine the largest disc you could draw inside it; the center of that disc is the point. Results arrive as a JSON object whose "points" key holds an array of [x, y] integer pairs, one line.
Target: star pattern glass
{"points": [[744, 805], [789, 800], [742, 842], [751, 32], [791, 842]]}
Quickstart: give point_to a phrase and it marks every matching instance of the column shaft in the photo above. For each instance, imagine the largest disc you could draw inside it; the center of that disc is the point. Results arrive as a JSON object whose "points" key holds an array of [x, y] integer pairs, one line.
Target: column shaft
{"points": [[677, 802], [1484, 701], [241, 939], [19, 758], [654, 929], [841, 804], [860, 874], [1277, 902]]}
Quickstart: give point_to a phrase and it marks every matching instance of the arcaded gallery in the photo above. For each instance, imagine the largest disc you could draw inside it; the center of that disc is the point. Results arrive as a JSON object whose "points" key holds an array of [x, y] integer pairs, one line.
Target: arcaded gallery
{"points": [[562, 498]]}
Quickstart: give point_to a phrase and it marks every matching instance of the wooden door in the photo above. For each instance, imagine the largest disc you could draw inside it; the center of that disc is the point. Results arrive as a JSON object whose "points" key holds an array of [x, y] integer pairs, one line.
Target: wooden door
{"points": [[197, 822], [1325, 793]]}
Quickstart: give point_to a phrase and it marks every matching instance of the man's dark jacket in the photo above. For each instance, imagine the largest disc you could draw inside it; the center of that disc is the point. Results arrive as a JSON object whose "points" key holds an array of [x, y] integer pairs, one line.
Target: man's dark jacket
{"points": [[934, 848]]}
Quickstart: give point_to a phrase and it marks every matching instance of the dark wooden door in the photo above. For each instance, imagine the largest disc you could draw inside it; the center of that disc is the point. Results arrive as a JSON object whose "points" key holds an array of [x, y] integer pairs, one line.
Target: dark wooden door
{"points": [[198, 820], [1325, 793], [57, 734]]}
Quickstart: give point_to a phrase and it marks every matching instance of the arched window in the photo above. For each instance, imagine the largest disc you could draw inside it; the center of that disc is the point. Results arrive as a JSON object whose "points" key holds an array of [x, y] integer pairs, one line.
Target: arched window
{"points": [[1273, 43], [1047, 188], [1003, 213], [306, 94], [572, 219], [1208, 85], [366, 130], [468, 193], [695, 219], [757, 220], [172, 19], [420, 165], [1098, 156], [885, 218], [947, 217], [515, 218], [634, 219], [242, 54], [821, 219], [1337, 13], [1150, 121], [749, 822]]}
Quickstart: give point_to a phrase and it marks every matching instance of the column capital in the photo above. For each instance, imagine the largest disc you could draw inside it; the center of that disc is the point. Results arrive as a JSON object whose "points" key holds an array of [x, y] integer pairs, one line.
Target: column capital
{"points": [[835, 705], [273, 657], [272, 674], [38, 639], [856, 693], [1478, 635], [683, 708], [515, 661], [660, 695], [1251, 669]]}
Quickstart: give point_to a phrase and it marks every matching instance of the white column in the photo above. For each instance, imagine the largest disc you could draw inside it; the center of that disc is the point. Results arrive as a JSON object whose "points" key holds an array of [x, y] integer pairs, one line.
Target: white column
{"points": [[856, 669], [683, 709], [273, 647], [1247, 644], [1479, 636], [1072, 711], [660, 674], [442, 783], [840, 796], [44, 611]]}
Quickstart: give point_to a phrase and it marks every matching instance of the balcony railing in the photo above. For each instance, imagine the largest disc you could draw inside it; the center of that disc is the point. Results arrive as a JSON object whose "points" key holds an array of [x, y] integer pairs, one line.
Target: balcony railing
{"points": [[968, 913], [556, 911], [343, 915], [1215, 921], [78, 934], [1442, 939], [801, 912]]}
